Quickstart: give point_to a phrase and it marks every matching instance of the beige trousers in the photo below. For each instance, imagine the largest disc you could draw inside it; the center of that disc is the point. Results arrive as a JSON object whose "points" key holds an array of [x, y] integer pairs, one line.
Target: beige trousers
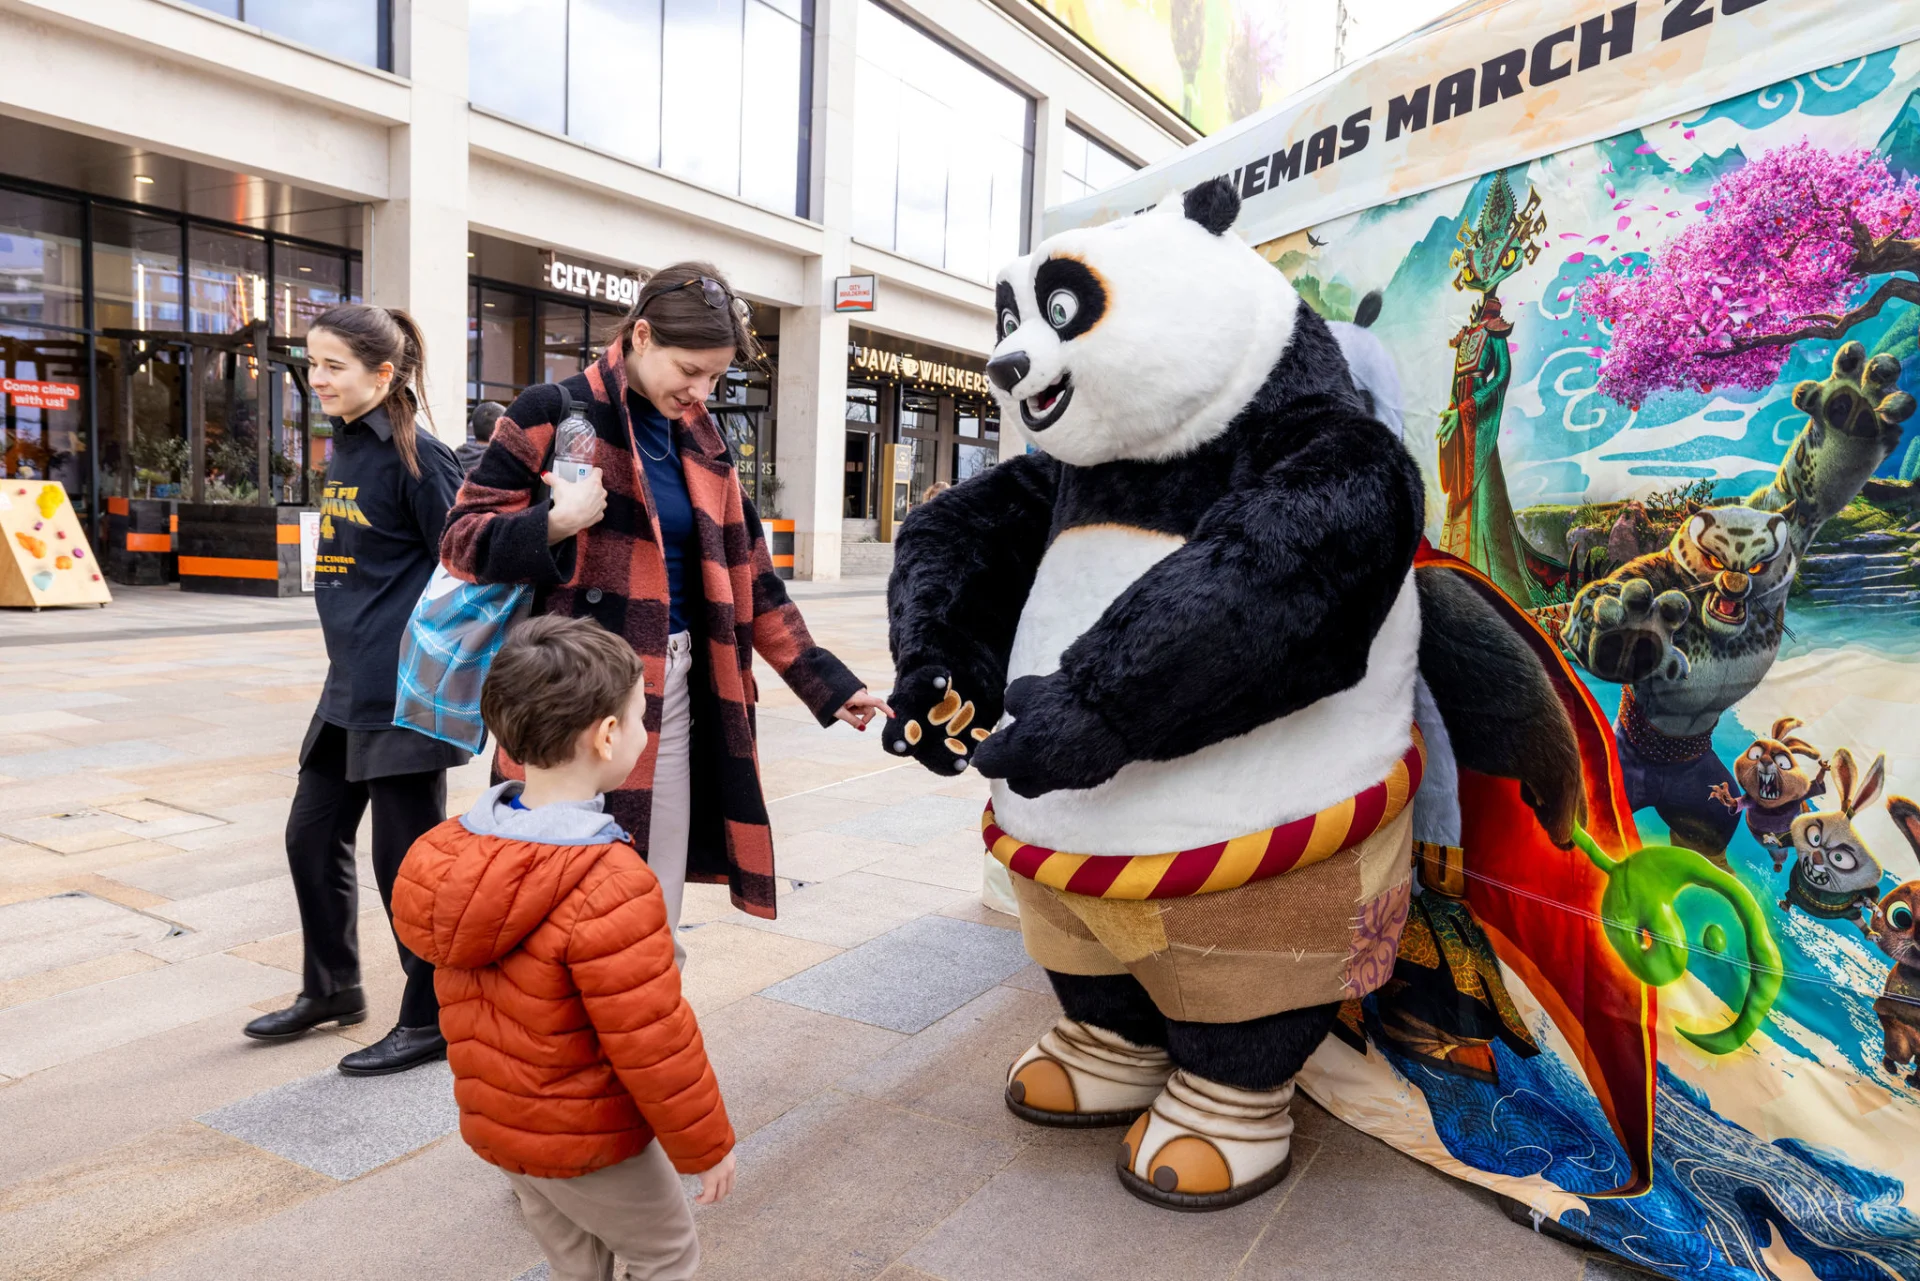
{"points": [[636, 1210], [672, 820]]}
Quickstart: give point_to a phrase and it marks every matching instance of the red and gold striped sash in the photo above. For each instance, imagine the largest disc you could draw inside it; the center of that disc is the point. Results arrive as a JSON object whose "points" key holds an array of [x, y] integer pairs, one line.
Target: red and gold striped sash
{"points": [[1224, 865]]}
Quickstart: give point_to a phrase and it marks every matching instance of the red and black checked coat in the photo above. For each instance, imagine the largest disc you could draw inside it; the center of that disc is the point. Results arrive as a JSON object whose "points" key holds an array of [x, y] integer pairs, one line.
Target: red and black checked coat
{"points": [[616, 574]]}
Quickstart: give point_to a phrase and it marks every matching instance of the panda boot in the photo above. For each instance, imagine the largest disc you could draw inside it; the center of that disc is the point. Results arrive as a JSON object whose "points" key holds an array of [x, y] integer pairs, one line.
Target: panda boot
{"points": [[1208, 1146], [1079, 1075]]}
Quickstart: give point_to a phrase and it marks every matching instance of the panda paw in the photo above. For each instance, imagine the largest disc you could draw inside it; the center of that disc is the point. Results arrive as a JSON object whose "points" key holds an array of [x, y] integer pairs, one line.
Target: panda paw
{"points": [[1055, 742], [935, 721]]}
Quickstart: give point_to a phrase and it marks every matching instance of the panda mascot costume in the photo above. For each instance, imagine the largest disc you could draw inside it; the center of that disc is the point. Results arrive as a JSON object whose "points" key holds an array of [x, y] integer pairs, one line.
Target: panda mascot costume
{"points": [[1184, 641]]}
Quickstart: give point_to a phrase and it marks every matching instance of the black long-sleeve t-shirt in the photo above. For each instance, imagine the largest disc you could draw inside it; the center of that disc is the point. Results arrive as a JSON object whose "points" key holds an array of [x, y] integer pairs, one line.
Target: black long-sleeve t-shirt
{"points": [[379, 542]]}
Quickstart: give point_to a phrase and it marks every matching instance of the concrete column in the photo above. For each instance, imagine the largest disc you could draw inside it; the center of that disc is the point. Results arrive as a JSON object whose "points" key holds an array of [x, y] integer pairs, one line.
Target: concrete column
{"points": [[417, 239], [810, 456]]}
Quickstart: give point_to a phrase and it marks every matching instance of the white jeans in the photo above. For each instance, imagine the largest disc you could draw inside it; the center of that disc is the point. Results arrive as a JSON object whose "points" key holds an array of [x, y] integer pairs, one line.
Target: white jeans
{"points": [[673, 786]]}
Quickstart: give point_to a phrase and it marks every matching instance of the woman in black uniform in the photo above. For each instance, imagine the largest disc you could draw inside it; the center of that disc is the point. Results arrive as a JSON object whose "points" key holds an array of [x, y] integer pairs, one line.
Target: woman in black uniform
{"points": [[387, 492]]}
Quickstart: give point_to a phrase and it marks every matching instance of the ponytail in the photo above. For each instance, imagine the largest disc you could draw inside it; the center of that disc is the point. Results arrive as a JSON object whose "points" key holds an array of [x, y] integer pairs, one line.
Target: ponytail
{"points": [[408, 396], [387, 335]]}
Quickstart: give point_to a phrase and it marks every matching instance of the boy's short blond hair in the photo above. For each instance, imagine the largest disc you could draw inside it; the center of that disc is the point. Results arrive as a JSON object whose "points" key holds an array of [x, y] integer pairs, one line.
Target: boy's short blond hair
{"points": [[552, 679]]}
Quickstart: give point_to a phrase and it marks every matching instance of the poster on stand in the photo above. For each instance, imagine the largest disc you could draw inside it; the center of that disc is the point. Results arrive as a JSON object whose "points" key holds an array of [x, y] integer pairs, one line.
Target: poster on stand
{"points": [[1658, 373]]}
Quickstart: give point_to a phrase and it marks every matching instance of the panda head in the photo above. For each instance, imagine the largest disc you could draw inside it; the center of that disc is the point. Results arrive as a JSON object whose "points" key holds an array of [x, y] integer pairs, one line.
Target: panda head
{"points": [[1141, 338]]}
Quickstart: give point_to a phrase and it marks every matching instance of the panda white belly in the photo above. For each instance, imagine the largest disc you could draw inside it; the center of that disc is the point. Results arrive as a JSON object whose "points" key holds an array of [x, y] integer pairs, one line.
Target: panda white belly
{"points": [[1281, 771]]}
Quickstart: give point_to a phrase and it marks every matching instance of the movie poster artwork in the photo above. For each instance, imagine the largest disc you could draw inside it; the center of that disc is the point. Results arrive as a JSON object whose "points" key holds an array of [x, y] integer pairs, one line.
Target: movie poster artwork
{"points": [[1661, 388]]}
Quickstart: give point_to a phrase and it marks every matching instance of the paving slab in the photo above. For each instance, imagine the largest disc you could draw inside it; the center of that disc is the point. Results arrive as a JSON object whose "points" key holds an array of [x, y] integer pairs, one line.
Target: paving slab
{"points": [[68, 929], [1058, 1210], [107, 1214], [848, 910], [227, 918], [840, 1187], [909, 822], [769, 1056], [343, 1126], [1361, 1210], [133, 753], [102, 969], [66, 1027], [443, 1215], [908, 978], [726, 962], [957, 1069]]}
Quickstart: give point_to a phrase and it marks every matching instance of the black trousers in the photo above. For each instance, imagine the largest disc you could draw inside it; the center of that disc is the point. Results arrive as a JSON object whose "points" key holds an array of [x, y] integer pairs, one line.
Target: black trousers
{"points": [[1260, 1054], [327, 808]]}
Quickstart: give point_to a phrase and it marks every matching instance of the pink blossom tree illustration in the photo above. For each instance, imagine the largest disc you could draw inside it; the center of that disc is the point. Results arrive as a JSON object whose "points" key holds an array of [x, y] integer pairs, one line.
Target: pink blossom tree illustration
{"points": [[1786, 251]]}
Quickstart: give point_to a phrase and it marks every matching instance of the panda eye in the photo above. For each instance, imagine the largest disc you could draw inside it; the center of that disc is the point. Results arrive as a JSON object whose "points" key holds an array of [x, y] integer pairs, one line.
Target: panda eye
{"points": [[1756, 752], [1812, 835], [1784, 762], [1062, 307], [1900, 916], [1008, 323]]}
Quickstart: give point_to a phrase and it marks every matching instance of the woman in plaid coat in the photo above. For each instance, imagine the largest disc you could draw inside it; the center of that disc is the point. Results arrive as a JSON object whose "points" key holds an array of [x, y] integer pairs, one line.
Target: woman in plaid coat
{"points": [[659, 545]]}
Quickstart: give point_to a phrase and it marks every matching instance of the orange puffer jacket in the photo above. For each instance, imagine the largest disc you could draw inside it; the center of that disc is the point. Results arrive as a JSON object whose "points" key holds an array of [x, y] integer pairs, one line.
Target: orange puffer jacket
{"points": [[571, 1045]]}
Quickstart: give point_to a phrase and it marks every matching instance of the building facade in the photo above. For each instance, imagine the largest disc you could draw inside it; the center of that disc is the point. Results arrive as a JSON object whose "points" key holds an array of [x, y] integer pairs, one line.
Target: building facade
{"points": [[184, 186]]}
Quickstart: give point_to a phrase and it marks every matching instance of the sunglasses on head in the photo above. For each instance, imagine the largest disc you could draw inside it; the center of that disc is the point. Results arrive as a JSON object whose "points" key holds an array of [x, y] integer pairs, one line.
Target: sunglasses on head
{"points": [[713, 291]]}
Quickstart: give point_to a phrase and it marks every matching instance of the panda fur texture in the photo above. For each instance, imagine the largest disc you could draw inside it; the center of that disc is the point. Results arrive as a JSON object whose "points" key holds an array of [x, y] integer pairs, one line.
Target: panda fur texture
{"points": [[1198, 599]]}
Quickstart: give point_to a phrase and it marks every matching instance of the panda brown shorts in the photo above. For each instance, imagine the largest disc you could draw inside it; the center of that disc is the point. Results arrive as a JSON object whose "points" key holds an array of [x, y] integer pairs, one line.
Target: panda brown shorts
{"points": [[1312, 936]]}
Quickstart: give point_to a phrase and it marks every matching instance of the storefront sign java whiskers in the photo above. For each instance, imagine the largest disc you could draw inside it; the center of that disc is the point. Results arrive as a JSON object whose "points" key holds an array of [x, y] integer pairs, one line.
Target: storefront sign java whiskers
{"points": [[620, 288], [898, 365]]}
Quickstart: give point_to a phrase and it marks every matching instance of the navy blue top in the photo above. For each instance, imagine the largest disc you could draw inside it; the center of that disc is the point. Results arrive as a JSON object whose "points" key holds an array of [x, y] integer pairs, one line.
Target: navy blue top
{"points": [[668, 484]]}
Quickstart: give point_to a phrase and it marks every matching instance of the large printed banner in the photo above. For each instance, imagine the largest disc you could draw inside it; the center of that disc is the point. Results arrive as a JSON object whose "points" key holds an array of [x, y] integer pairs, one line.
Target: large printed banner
{"points": [[1504, 84], [1660, 384]]}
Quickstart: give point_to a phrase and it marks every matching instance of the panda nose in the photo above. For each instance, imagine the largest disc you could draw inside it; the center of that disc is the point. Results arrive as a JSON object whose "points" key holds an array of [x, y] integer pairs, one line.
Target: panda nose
{"points": [[1009, 370]]}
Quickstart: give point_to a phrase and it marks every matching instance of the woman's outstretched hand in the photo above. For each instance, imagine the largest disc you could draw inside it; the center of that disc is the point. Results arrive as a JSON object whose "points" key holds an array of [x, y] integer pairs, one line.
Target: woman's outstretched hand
{"points": [[861, 708]]}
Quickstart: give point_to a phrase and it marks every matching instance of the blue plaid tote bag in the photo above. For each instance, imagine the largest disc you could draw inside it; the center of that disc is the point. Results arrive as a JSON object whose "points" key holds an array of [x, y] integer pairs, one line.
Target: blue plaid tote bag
{"points": [[456, 629]]}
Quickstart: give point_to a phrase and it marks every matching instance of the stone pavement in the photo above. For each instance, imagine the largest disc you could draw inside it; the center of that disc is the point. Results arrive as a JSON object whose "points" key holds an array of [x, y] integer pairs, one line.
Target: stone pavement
{"points": [[146, 761]]}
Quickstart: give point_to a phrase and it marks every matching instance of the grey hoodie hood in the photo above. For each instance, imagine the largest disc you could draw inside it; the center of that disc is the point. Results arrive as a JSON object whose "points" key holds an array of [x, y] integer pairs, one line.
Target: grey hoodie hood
{"points": [[561, 823]]}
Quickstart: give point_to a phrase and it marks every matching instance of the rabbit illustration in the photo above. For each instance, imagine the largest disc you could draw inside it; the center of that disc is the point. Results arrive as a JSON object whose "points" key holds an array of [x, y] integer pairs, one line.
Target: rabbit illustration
{"points": [[1835, 877], [1894, 931], [1777, 787]]}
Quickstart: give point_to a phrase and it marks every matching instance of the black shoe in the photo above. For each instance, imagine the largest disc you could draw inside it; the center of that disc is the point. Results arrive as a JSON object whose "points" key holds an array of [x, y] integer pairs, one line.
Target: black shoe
{"points": [[398, 1050], [345, 1008]]}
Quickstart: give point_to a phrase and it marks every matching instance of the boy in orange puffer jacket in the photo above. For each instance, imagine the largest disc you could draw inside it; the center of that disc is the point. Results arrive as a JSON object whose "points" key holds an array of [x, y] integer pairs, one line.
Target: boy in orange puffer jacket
{"points": [[572, 1048]]}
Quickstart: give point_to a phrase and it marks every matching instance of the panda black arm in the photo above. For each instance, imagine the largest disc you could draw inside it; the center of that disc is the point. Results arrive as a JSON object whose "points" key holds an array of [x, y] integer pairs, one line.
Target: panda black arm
{"points": [[963, 564], [1467, 649], [1272, 605]]}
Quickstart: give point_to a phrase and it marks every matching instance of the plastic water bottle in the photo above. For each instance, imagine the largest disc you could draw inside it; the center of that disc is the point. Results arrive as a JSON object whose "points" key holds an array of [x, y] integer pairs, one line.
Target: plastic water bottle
{"points": [[573, 446]]}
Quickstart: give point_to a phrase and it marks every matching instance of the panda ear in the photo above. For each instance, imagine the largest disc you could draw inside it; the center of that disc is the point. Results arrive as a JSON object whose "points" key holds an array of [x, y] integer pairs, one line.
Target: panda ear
{"points": [[1214, 204]]}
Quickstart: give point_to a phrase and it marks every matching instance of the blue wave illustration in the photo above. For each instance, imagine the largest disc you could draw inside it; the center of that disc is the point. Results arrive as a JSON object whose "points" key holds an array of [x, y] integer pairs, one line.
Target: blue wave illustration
{"points": [[1830, 91], [1719, 1193]]}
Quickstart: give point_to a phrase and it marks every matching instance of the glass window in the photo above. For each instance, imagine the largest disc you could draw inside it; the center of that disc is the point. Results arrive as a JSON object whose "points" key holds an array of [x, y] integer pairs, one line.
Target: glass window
{"points": [[517, 60], [769, 153], [227, 281], [306, 283], [136, 271], [563, 340], [44, 442], [613, 94], [961, 203], [230, 412], [40, 276], [143, 434], [970, 460], [347, 29], [863, 404], [701, 49], [1087, 167], [506, 344], [919, 412]]}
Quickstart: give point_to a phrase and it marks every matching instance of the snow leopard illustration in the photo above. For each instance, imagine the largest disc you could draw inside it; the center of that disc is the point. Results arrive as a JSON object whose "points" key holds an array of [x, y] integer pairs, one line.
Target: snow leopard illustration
{"points": [[1691, 629]]}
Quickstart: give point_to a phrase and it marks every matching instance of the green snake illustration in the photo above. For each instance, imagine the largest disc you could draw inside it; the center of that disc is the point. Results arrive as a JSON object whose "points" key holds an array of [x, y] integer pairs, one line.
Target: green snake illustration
{"points": [[1638, 915]]}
